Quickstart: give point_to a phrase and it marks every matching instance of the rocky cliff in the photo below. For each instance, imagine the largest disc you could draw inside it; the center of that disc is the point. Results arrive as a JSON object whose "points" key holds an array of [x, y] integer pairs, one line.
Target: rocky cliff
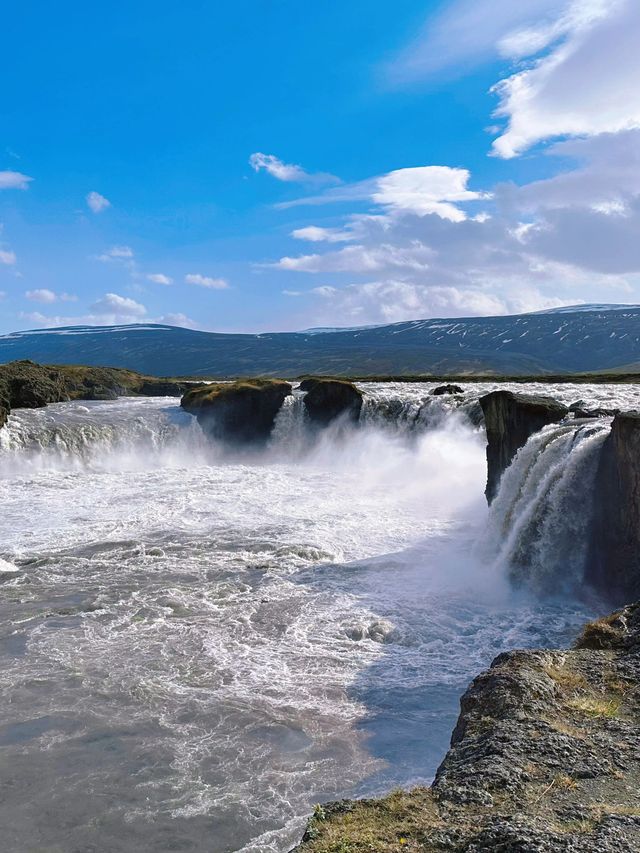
{"points": [[25, 384], [545, 758], [510, 420], [241, 412], [327, 399], [613, 564]]}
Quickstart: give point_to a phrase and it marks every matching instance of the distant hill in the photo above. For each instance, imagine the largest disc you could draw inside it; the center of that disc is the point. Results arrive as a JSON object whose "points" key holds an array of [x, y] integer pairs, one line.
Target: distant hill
{"points": [[581, 339]]}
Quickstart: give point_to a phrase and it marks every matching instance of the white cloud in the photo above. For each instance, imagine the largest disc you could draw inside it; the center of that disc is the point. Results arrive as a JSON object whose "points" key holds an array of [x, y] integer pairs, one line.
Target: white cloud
{"points": [[287, 172], [315, 234], [420, 190], [14, 181], [121, 307], [97, 202], [159, 278], [177, 320], [41, 295], [7, 257], [363, 259], [586, 84], [206, 281], [426, 189], [116, 253], [465, 33], [394, 300]]}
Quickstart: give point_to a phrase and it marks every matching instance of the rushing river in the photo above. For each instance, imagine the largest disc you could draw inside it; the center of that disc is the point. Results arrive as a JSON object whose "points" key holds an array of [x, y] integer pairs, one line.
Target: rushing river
{"points": [[196, 647]]}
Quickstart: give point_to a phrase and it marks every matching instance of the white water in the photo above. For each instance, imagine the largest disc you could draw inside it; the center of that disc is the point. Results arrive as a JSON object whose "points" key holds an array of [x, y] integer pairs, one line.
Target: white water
{"points": [[196, 647]]}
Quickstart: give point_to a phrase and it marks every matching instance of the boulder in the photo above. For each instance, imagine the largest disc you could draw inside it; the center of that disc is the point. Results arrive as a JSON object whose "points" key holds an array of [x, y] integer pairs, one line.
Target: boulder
{"points": [[242, 412], [510, 420], [327, 399], [447, 389], [613, 563]]}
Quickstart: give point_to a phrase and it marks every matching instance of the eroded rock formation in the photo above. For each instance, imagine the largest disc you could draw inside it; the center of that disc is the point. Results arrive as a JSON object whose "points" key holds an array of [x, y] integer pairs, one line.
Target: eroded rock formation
{"points": [[241, 412], [510, 420], [327, 399], [545, 758], [447, 389], [613, 565]]}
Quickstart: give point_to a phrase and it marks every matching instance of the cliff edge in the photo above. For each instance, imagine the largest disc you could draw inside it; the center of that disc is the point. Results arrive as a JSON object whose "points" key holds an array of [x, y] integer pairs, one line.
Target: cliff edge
{"points": [[545, 758]]}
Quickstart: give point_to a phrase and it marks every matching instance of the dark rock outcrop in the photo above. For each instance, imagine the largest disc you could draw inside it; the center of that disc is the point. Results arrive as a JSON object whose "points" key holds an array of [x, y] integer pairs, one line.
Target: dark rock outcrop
{"points": [[241, 412], [580, 410], [613, 564], [510, 420], [447, 389], [327, 399], [545, 758], [25, 384]]}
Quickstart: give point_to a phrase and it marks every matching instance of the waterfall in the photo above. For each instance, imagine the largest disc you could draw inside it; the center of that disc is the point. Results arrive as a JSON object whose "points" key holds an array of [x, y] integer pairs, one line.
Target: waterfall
{"points": [[130, 432], [290, 432], [539, 521]]}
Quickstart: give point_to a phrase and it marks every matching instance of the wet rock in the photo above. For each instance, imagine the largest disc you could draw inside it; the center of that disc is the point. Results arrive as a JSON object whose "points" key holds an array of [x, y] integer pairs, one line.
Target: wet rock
{"points": [[327, 399], [510, 420], [613, 563], [447, 389], [545, 758], [580, 410], [241, 412]]}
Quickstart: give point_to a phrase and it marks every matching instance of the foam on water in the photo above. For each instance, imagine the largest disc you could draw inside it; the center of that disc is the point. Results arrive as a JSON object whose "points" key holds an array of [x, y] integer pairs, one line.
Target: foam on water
{"points": [[197, 645]]}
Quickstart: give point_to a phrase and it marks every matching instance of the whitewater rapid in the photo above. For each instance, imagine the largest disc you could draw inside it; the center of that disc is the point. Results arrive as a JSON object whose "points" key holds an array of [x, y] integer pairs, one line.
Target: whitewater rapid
{"points": [[197, 646]]}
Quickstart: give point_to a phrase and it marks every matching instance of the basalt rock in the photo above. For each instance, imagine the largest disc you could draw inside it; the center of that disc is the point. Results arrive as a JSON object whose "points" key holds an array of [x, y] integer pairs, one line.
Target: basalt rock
{"points": [[327, 399], [510, 420], [447, 389], [545, 758], [613, 564], [241, 412]]}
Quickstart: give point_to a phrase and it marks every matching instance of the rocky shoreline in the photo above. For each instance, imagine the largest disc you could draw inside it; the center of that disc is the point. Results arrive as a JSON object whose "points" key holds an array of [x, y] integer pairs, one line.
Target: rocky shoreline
{"points": [[545, 758], [27, 385]]}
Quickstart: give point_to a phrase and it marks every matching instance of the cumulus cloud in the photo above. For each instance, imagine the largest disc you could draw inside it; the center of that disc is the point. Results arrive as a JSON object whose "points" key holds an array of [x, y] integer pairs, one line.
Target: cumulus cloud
{"points": [[7, 257], [287, 172], [122, 308], [392, 301], [587, 83], [206, 281], [159, 278], [41, 295], [420, 190], [97, 202], [14, 181]]}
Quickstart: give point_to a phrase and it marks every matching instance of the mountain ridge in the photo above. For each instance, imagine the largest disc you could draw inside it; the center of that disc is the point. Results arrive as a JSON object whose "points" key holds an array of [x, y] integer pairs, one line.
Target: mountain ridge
{"points": [[568, 341]]}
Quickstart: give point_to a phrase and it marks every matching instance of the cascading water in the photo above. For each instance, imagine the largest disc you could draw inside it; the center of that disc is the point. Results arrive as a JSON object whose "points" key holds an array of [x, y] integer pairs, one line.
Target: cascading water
{"points": [[539, 520], [207, 643]]}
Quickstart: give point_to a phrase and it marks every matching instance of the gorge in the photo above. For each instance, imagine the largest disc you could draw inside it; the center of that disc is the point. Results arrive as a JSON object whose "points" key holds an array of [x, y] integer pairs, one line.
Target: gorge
{"points": [[216, 635]]}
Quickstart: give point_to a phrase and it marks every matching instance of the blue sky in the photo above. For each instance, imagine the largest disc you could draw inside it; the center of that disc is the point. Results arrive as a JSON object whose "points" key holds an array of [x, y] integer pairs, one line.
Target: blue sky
{"points": [[278, 165]]}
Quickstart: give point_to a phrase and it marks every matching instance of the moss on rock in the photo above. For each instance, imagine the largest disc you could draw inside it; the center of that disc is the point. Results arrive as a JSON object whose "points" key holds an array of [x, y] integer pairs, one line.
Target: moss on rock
{"points": [[241, 412]]}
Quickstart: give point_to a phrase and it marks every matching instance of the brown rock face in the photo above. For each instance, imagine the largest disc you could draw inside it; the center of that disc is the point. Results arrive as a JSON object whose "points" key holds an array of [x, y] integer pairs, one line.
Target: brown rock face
{"points": [[238, 412], [613, 565], [510, 420], [545, 758], [327, 399]]}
